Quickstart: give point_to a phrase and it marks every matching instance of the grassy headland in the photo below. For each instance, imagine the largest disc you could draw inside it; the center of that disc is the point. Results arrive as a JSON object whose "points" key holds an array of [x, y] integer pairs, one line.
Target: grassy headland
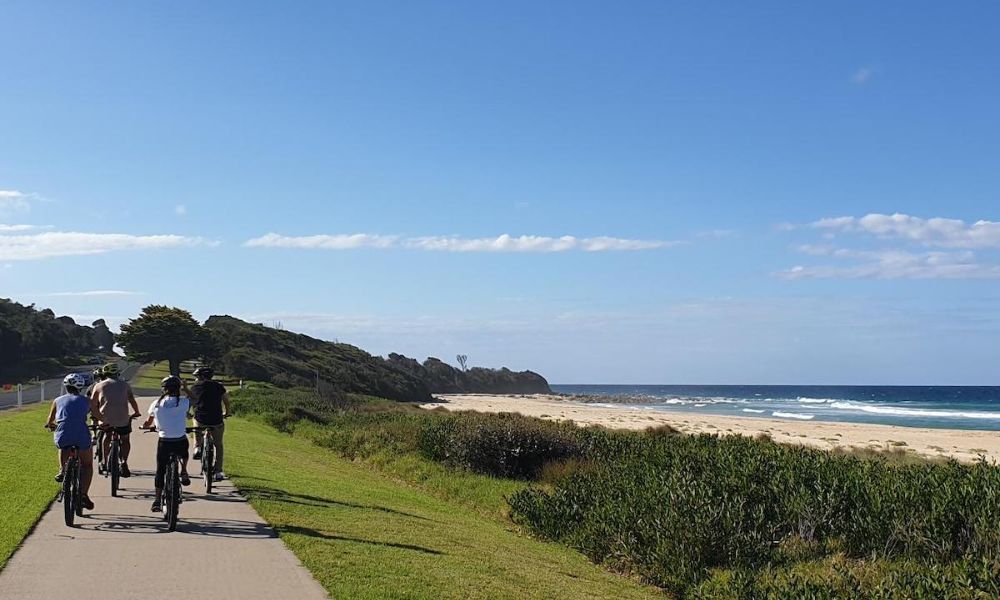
{"points": [[27, 464]]}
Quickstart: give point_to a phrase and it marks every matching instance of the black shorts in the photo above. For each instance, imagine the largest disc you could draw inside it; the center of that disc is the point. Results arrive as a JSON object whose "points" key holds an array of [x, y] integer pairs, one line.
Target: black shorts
{"points": [[124, 430], [164, 448]]}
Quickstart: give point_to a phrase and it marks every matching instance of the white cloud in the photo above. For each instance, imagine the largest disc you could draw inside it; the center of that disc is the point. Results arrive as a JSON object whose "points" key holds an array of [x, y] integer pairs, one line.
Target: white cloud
{"points": [[51, 244], [862, 75], [16, 228], [95, 293], [948, 233], [503, 243], [716, 233], [180, 210], [15, 201], [325, 242], [894, 264]]}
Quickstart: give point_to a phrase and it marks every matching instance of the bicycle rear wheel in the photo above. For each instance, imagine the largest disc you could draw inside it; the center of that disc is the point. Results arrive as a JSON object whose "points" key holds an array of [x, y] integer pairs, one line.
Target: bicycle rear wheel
{"points": [[78, 490], [114, 467], [68, 491], [208, 464], [173, 491], [99, 453]]}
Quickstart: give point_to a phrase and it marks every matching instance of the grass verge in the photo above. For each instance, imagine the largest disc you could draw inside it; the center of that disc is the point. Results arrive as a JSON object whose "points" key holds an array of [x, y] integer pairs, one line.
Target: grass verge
{"points": [[364, 535], [149, 376], [27, 463]]}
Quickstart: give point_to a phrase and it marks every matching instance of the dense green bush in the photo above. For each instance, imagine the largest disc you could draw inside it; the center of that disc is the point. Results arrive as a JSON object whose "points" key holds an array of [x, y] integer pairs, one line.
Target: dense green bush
{"points": [[672, 508], [501, 445]]}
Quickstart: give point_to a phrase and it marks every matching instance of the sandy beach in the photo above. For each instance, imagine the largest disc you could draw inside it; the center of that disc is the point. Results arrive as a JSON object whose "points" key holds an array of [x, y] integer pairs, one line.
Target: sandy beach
{"points": [[963, 444]]}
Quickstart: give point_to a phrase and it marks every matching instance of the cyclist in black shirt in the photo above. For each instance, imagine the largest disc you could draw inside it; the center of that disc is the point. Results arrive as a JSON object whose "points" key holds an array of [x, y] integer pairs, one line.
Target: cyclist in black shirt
{"points": [[210, 401]]}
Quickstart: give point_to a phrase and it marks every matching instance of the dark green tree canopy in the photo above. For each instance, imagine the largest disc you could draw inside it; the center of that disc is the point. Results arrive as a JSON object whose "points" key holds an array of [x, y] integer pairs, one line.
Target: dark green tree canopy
{"points": [[34, 342], [162, 333]]}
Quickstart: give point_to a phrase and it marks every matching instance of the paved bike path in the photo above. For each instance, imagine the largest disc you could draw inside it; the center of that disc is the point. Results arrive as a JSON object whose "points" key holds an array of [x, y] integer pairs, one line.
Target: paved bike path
{"points": [[222, 548]]}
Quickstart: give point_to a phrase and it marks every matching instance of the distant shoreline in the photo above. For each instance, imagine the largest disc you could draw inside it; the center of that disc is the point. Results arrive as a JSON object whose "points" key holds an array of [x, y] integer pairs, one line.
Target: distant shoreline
{"points": [[961, 444]]}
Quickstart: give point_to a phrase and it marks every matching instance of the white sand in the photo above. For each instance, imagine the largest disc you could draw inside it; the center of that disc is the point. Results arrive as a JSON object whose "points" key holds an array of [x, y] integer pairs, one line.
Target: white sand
{"points": [[963, 445]]}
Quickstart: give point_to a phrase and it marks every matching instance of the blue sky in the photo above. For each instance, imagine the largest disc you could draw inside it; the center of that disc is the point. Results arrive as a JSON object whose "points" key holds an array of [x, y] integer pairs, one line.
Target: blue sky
{"points": [[650, 193]]}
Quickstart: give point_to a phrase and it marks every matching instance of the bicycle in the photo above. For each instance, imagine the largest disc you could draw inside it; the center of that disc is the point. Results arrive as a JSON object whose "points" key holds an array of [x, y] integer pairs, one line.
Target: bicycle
{"points": [[207, 454], [71, 493], [172, 490], [113, 467]]}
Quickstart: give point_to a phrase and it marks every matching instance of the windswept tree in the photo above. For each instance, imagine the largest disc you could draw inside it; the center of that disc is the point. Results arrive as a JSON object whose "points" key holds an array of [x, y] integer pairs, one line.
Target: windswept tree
{"points": [[163, 333], [462, 359]]}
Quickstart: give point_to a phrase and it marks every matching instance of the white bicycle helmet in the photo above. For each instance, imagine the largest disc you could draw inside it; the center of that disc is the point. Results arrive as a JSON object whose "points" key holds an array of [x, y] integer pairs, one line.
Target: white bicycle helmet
{"points": [[75, 380]]}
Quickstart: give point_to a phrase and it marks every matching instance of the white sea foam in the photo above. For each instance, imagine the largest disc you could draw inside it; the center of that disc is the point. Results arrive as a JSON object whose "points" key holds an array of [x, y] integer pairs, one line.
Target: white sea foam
{"points": [[699, 405], [805, 400], [788, 415], [674, 401], [916, 412], [751, 410]]}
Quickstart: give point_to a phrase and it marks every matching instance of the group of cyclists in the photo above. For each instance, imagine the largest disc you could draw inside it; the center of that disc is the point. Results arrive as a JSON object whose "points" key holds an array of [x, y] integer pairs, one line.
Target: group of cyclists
{"points": [[111, 404]]}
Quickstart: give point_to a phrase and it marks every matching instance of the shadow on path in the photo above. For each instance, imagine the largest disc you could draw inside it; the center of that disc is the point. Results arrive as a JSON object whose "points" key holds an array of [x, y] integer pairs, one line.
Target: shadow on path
{"points": [[153, 524], [327, 536]]}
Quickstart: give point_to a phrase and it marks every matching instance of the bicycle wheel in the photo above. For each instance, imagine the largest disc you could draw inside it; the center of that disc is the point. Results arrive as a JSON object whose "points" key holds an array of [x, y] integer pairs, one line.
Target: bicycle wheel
{"points": [[114, 467], [168, 484], [77, 490], [69, 476], [208, 464], [173, 491], [99, 453]]}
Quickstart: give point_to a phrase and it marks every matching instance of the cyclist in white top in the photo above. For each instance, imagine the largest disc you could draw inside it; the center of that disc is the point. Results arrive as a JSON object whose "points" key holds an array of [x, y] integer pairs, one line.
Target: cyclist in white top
{"points": [[170, 415]]}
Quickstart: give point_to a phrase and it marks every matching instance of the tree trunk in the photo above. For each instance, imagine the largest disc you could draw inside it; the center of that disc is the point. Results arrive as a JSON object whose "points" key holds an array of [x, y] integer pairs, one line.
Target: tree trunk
{"points": [[175, 367]]}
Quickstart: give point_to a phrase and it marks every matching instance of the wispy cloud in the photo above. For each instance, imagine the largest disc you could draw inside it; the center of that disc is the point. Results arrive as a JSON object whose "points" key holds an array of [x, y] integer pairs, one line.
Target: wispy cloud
{"points": [[949, 233], [502, 243], [324, 242], [862, 75], [95, 293], [51, 244], [180, 210], [716, 233], [16, 228], [895, 264], [15, 201], [935, 248]]}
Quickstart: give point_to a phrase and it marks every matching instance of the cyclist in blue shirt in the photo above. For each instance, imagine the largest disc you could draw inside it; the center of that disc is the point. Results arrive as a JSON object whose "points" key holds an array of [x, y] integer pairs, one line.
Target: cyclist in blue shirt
{"points": [[68, 417]]}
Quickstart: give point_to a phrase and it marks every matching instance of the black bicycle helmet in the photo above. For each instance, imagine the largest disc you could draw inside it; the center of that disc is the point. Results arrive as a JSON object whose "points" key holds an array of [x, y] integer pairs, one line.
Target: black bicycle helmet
{"points": [[204, 372]]}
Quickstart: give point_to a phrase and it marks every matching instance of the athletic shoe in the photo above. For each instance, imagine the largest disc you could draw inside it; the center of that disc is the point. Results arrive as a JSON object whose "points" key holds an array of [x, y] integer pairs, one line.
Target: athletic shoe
{"points": [[197, 453], [87, 503], [59, 476], [185, 480], [124, 471], [156, 506], [220, 476]]}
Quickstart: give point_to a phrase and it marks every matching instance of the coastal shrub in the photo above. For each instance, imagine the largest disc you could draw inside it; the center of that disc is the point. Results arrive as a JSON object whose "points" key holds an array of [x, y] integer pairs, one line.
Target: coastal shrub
{"points": [[838, 577], [674, 508], [700, 516], [501, 445]]}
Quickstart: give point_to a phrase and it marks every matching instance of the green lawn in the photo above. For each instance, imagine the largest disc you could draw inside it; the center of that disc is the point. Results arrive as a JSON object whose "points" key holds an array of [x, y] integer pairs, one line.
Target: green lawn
{"points": [[364, 535], [150, 376], [27, 464]]}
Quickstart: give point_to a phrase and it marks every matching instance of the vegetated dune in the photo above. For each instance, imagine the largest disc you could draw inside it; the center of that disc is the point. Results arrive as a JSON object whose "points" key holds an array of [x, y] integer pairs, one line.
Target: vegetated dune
{"points": [[287, 359]]}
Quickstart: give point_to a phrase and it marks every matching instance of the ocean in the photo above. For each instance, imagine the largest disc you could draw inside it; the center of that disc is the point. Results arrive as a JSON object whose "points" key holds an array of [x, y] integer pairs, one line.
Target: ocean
{"points": [[948, 407]]}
